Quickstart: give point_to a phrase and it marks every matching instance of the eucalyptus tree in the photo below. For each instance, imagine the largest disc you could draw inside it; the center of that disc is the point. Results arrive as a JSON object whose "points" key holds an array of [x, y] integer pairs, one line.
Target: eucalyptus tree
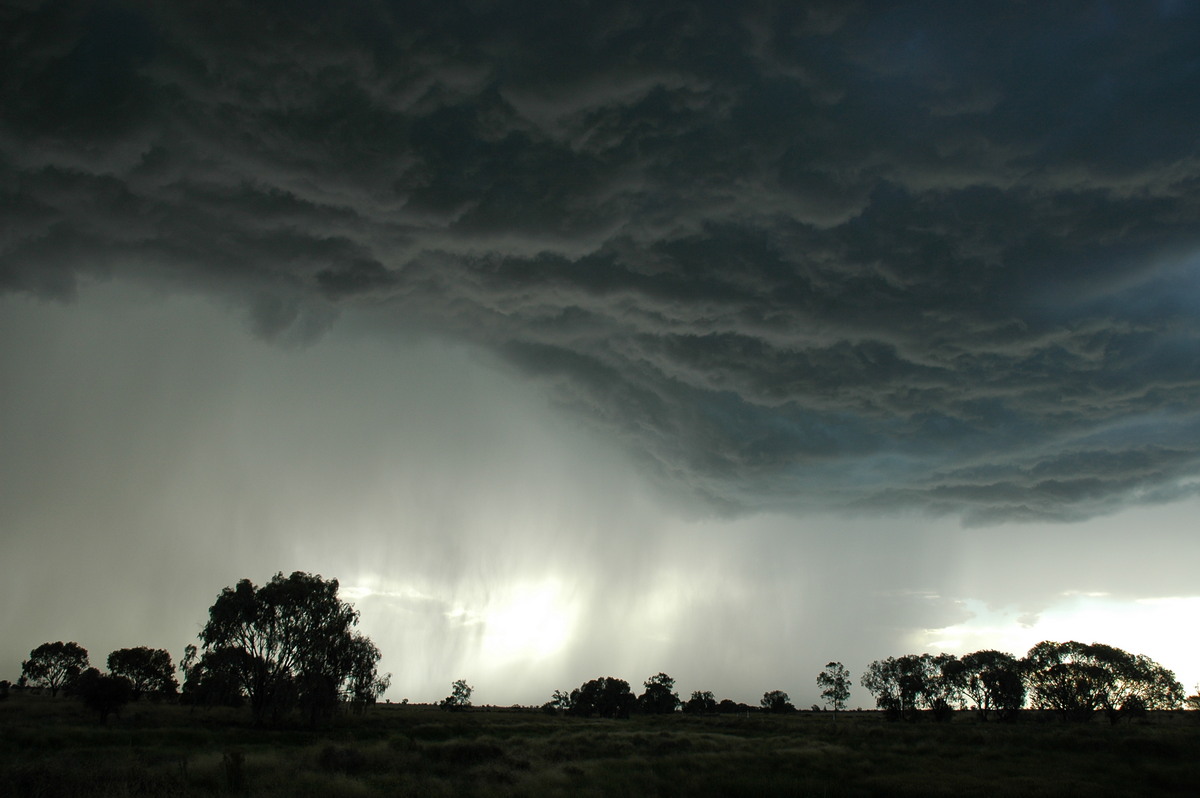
{"points": [[834, 682], [660, 697], [1077, 680], [607, 697], [54, 665], [1065, 678], [777, 701], [903, 686], [702, 702], [149, 670], [460, 696], [290, 642], [993, 682]]}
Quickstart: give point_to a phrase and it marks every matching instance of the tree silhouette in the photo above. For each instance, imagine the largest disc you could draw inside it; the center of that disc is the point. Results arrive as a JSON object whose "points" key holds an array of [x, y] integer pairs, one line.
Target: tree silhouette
{"points": [[289, 643], [834, 682], [702, 702], [559, 703], [659, 698], [55, 665], [1076, 680], [104, 693], [904, 685], [944, 680], [727, 706], [606, 697], [891, 688], [1066, 678], [147, 669], [460, 696], [212, 679], [776, 701], [993, 681], [364, 685]]}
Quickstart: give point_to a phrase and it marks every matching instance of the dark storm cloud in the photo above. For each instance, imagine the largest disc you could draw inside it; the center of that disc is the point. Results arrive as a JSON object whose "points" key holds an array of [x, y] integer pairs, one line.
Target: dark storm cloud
{"points": [[792, 254]]}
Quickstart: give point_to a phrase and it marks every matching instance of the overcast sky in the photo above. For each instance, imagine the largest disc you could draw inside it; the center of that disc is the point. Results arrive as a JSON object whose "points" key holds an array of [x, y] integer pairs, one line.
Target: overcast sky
{"points": [[721, 339]]}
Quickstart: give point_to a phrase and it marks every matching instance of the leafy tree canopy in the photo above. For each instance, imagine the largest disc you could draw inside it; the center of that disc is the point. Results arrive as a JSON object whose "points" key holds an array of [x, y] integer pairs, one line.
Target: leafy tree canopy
{"points": [[460, 696], [660, 697], [289, 643], [212, 679], [149, 670], [777, 701], [904, 685], [1077, 679], [702, 702], [834, 682], [54, 665], [606, 697], [993, 682]]}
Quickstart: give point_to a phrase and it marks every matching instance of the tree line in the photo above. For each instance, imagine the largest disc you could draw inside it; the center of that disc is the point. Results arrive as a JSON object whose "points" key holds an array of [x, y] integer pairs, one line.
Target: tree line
{"points": [[290, 646], [1074, 680], [287, 646]]}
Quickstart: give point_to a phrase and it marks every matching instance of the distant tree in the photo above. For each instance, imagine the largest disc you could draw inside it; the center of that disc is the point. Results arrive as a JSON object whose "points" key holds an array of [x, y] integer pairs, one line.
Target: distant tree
{"points": [[606, 697], [659, 698], [1076, 680], [103, 693], [561, 699], [149, 670], [289, 642], [777, 701], [4, 688], [993, 681], [702, 702], [559, 703], [834, 682], [1193, 701], [460, 696], [55, 665], [728, 706]]}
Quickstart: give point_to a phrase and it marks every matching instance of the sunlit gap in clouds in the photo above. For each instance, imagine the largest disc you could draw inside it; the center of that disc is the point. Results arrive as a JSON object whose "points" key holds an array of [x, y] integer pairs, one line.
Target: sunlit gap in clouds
{"points": [[525, 621], [528, 622]]}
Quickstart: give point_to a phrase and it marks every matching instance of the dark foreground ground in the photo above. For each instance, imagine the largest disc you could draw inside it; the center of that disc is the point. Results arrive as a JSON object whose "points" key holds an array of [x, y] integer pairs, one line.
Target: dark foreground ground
{"points": [[50, 747]]}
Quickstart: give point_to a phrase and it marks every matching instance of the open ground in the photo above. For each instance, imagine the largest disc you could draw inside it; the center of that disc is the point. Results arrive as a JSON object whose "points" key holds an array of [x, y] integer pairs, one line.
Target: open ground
{"points": [[53, 747]]}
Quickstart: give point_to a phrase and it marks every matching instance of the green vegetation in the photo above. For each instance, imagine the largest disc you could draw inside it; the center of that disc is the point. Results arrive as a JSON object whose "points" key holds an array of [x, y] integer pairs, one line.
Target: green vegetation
{"points": [[55, 746]]}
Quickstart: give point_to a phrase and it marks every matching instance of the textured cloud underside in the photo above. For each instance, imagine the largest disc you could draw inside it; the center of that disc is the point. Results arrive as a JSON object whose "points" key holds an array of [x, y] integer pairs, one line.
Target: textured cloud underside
{"points": [[792, 257]]}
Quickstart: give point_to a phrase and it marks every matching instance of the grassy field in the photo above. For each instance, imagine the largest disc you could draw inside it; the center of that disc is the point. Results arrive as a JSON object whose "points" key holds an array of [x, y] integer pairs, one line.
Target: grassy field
{"points": [[51, 747]]}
